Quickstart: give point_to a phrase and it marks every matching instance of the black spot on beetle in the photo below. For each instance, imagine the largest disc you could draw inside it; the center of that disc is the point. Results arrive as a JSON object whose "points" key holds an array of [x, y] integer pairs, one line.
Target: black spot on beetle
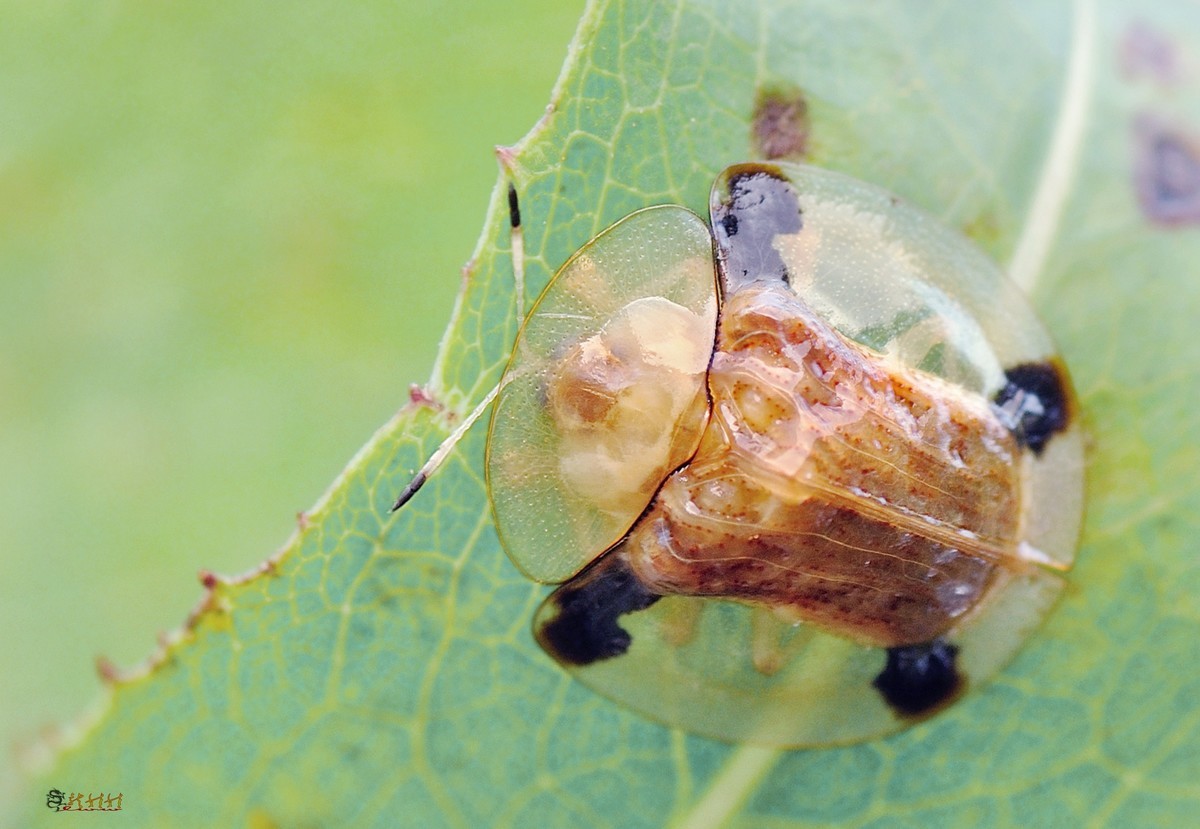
{"points": [[758, 204], [585, 629], [919, 679], [1035, 403], [729, 223], [780, 125], [1166, 173]]}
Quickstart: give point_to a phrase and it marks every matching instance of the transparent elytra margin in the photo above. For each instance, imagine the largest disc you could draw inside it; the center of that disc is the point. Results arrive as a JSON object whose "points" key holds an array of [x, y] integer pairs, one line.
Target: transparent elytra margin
{"points": [[645, 290], [735, 673], [883, 274], [890, 276]]}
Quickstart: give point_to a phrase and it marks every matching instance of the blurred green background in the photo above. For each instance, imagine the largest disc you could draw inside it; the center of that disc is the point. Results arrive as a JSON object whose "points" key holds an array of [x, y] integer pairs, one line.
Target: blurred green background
{"points": [[230, 236]]}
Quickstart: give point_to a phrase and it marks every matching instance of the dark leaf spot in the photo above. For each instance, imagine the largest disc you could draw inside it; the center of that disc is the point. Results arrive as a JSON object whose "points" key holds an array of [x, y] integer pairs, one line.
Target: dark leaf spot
{"points": [[780, 125], [1166, 173]]}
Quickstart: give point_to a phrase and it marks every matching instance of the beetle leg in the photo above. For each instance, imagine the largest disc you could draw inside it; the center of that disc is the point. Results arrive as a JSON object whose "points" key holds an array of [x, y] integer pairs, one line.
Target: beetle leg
{"points": [[918, 679]]}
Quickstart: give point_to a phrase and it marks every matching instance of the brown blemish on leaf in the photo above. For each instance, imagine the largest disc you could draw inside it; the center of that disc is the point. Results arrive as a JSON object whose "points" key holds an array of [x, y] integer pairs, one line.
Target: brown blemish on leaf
{"points": [[1147, 53], [780, 127], [420, 396], [1166, 172]]}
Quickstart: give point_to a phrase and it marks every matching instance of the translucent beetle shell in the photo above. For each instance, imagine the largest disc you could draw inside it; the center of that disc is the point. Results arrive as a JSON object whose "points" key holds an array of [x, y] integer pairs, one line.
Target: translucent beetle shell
{"points": [[803, 477]]}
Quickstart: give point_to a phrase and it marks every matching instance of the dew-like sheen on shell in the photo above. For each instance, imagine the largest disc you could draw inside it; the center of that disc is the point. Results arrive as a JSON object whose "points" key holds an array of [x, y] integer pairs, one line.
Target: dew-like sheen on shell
{"points": [[864, 463]]}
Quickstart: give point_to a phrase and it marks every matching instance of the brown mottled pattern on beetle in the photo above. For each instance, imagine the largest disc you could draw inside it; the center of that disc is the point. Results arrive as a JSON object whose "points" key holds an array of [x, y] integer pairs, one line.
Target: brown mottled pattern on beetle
{"points": [[870, 499]]}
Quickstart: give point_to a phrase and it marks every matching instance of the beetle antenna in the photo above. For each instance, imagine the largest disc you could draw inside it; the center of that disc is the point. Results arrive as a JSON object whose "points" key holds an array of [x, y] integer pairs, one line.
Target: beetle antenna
{"points": [[518, 249], [443, 451]]}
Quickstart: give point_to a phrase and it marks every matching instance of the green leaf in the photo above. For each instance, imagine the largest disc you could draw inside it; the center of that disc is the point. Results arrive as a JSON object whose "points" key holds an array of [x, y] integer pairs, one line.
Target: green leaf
{"points": [[380, 671]]}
